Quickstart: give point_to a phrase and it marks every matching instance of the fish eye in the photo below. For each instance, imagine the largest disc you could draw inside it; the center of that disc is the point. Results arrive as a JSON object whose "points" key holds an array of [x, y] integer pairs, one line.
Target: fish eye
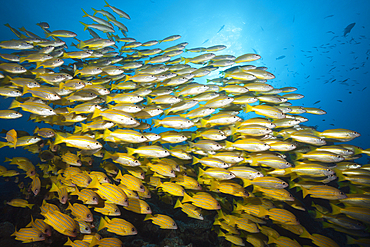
{"points": [[86, 229], [131, 119], [328, 170], [116, 210], [95, 198], [218, 204], [74, 230], [126, 200], [133, 229], [172, 171], [283, 183], [341, 193], [290, 195], [174, 224], [142, 137], [147, 208], [97, 143], [338, 156], [141, 186], [88, 215], [41, 235]]}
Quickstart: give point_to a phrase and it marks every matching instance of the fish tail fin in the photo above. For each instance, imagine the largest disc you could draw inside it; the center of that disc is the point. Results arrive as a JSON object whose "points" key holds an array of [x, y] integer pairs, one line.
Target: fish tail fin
{"points": [[148, 217], [130, 151], [186, 198], [195, 160], [69, 242], [287, 171], [228, 144], [128, 77], [246, 182], [203, 122], [350, 240], [85, 25], [186, 60], [30, 205], [61, 85], [14, 233], [248, 108], [102, 224], [335, 209], [54, 188], [95, 11], [58, 139], [178, 204], [299, 156], [69, 207], [86, 14], [201, 172], [83, 128], [107, 5], [156, 123], [76, 192], [107, 133], [304, 192], [14, 104], [107, 155], [149, 100], [214, 185], [94, 184], [167, 111], [318, 215], [30, 224], [22, 59], [109, 98], [97, 113], [305, 234], [262, 212]]}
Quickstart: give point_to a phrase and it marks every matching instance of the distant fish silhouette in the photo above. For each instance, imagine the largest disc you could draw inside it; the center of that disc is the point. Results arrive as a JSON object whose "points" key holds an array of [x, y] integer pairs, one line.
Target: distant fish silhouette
{"points": [[221, 28], [205, 41], [328, 16], [281, 57], [348, 29]]}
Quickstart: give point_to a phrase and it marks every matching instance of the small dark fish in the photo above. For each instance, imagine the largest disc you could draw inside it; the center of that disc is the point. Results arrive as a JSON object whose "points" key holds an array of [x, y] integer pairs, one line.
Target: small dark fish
{"points": [[221, 28], [348, 29], [205, 41], [363, 88], [281, 57], [330, 32], [339, 100], [255, 51], [262, 29], [317, 102], [328, 16]]}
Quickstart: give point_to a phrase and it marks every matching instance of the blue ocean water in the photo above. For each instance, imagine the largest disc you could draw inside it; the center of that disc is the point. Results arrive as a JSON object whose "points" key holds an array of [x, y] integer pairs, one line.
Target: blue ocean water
{"points": [[301, 42]]}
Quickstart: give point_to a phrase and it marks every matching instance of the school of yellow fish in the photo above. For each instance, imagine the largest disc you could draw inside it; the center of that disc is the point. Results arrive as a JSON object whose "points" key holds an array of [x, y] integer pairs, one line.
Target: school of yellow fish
{"points": [[116, 90]]}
